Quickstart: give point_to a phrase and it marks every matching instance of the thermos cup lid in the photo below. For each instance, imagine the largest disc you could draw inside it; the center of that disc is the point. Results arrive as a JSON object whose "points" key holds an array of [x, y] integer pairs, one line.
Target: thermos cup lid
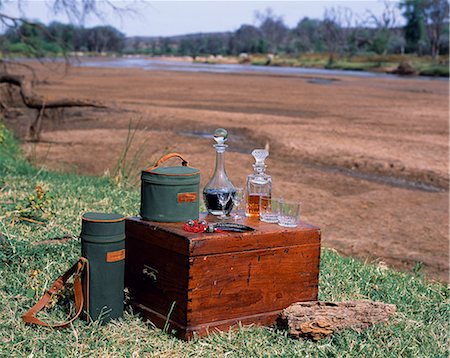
{"points": [[175, 171], [102, 227], [175, 175]]}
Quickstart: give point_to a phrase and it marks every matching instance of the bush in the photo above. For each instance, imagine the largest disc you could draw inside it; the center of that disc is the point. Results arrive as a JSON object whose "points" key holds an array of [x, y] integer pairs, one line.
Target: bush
{"points": [[51, 47], [18, 48], [435, 70]]}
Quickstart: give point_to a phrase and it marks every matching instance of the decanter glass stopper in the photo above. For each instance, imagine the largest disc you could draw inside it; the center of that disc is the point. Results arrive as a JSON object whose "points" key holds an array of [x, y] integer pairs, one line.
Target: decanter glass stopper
{"points": [[260, 156], [220, 135]]}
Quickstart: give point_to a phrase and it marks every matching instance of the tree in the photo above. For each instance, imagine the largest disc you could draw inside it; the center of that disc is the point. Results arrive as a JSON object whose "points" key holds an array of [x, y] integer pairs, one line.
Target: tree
{"points": [[273, 29], [336, 30], [384, 25], [307, 36], [414, 29], [30, 33], [444, 41], [436, 17], [104, 38], [215, 44], [63, 34], [425, 20], [247, 39]]}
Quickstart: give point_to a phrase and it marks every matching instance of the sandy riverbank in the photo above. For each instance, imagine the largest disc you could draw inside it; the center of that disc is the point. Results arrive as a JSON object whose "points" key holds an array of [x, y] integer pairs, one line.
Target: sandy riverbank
{"points": [[367, 157]]}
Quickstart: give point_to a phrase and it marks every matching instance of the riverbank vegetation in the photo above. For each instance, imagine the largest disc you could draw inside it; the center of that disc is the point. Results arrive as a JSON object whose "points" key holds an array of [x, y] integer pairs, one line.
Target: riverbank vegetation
{"points": [[409, 37], [412, 64], [38, 245]]}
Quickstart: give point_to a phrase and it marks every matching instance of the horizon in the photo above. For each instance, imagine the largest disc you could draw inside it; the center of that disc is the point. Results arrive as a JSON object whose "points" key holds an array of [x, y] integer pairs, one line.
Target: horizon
{"points": [[178, 18]]}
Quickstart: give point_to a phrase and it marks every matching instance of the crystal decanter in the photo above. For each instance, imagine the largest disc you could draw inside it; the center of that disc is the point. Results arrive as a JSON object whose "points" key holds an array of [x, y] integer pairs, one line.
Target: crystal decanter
{"points": [[218, 192], [259, 184]]}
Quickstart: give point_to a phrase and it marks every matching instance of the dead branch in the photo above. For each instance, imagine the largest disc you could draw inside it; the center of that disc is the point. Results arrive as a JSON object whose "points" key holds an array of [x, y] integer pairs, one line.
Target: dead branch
{"points": [[317, 320], [35, 101], [6, 63], [39, 103]]}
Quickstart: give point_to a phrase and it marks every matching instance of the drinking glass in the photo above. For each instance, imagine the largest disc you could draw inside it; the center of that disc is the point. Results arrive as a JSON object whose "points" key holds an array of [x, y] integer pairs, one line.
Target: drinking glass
{"points": [[269, 209], [223, 196], [289, 215], [237, 198]]}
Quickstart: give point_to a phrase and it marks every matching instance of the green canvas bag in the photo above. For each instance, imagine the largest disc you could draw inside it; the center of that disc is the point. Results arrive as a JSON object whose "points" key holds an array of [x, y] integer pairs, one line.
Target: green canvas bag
{"points": [[170, 194]]}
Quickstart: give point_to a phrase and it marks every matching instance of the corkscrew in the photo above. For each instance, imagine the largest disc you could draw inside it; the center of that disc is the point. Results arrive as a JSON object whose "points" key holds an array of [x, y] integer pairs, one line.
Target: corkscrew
{"points": [[203, 226]]}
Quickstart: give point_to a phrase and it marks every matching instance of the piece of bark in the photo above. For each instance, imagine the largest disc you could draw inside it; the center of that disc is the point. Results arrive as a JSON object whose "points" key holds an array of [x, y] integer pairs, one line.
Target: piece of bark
{"points": [[55, 240], [317, 320]]}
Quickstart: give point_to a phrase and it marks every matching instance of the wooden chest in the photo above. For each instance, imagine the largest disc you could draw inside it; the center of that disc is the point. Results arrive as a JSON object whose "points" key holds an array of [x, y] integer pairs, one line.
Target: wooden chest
{"points": [[191, 282]]}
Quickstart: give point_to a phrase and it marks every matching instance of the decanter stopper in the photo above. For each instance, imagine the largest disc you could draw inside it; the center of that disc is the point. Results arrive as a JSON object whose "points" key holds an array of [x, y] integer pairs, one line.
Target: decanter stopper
{"points": [[220, 136], [260, 156]]}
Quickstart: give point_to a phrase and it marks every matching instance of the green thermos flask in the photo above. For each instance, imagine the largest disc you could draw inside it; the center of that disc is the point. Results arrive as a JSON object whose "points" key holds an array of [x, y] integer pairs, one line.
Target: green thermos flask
{"points": [[103, 245]]}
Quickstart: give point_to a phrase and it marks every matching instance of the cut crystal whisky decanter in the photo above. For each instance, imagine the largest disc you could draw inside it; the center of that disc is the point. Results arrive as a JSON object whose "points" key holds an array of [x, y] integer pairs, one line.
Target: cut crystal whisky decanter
{"points": [[259, 184], [218, 192]]}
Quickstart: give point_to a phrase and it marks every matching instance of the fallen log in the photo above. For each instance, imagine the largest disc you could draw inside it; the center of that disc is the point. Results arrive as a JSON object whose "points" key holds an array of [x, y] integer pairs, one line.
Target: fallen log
{"points": [[35, 101], [317, 320], [39, 103]]}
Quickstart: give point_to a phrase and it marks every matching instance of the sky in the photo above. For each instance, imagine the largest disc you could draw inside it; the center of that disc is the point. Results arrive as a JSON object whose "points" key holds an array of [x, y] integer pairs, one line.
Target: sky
{"points": [[167, 18]]}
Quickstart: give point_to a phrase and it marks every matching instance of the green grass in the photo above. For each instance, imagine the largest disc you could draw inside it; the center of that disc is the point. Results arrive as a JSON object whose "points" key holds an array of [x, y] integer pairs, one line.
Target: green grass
{"points": [[353, 66], [434, 70], [420, 329], [424, 65]]}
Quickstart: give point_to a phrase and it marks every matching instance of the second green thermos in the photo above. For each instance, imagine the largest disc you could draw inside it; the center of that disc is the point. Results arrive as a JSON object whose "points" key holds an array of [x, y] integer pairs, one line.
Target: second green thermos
{"points": [[103, 245]]}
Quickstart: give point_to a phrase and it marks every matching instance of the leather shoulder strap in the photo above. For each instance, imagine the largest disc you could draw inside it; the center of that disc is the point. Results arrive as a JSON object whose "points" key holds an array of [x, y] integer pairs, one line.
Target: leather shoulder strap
{"points": [[76, 270]]}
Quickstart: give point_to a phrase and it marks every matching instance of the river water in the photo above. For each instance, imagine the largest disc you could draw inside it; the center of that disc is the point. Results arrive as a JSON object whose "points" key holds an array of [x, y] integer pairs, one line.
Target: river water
{"points": [[187, 66]]}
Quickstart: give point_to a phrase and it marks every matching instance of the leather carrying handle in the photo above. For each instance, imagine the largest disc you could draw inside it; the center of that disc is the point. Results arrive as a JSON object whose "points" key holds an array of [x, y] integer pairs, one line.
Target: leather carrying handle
{"points": [[80, 298], [163, 159]]}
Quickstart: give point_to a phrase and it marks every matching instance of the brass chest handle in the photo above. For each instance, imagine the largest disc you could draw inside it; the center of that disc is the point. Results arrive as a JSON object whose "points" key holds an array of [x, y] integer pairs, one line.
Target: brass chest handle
{"points": [[151, 273]]}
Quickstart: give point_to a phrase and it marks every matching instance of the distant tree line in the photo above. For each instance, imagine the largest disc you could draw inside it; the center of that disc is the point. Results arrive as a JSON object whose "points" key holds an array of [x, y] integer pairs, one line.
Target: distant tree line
{"points": [[39, 40], [339, 32]]}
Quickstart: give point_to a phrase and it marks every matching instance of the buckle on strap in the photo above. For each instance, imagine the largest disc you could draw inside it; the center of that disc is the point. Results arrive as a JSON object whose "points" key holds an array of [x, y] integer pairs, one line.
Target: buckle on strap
{"points": [[57, 285], [81, 264]]}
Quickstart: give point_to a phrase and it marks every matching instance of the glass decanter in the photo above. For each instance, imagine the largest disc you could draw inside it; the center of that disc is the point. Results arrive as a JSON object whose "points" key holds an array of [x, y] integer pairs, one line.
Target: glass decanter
{"points": [[219, 184], [259, 184]]}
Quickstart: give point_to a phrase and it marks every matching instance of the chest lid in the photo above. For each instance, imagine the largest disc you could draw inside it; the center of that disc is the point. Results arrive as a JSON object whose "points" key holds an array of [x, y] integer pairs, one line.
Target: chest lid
{"points": [[171, 236]]}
